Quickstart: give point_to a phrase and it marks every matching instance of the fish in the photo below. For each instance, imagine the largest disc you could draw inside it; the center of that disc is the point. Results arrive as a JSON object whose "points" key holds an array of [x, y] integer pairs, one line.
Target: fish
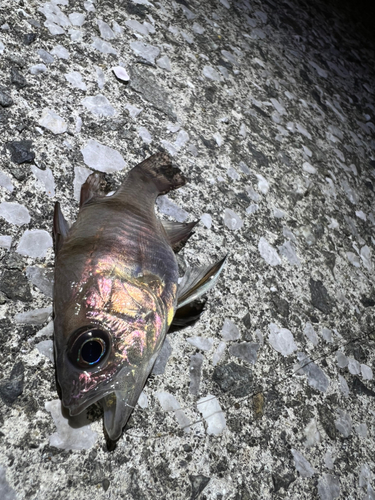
{"points": [[117, 291]]}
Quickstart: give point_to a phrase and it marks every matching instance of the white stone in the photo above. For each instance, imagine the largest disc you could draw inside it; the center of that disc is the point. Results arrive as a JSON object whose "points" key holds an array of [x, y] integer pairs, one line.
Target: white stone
{"points": [[121, 73], [316, 377], [100, 77], [366, 257], [211, 73], [45, 347], [232, 173], [361, 430], [207, 220], [53, 28], [361, 215], [366, 372], [328, 487], [5, 241], [89, 6], [143, 400], [147, 52], [268, 252], [169, 403], [230, 330], [34, 317], [37, 69], [218, 354], [45, 180], [354, 366], [251, 209], [45, 56], [328, 460], [53, 122], [72, 434], [307, 167], [34, 243], [248, 351], [197, 28], [282, 340], [201, 343], [117, 28], [288, 251], [278, 106], [77, 18], [105, 30], [143, 29], [6, 182], [14, 213], [302, 465], [344, 388], [312, 434], [232, 220], [343, 423], [80, 176], [311, 334], [181, 139], [102, 46], [133, 110], [168, 207], [342, 360], [99, 105], [60, 52], [145, 135], [326, 334], [102, 158], [263, 184], [209, 408], [75, 78]]}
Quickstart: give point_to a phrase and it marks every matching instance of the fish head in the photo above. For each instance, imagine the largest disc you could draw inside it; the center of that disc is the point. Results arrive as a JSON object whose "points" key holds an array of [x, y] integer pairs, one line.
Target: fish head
{"points": [[107, 337]]}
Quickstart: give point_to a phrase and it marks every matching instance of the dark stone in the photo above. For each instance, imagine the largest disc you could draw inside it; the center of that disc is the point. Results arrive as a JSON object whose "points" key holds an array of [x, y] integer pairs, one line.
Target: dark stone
{"points": [[11, 388], [318, 230], [359, 388], [136, 9], [273, 404], [328, 421], [15, 285], [319, 296], [134, 488], [210, 94], [29, 38], [21, 151], [282, 481], [246, 320], [260, 111], [316, 96], [187, 448], [305, 76], [105, 484], [368, 301], [233, 378], [183, 2], [330, 259], [281, 306], [18, 173], [198, 484], [260, 158], [144, 82], [17, 79], [209, 143], [5, 99]]}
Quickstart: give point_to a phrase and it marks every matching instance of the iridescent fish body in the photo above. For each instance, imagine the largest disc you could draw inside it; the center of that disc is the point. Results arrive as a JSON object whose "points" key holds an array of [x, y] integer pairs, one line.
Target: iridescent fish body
{"points": [[116, 290]]}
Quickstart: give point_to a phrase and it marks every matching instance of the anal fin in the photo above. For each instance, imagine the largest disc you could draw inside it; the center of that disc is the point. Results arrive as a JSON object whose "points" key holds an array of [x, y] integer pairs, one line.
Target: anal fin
{"points": [[198, 281], [178, 233]]}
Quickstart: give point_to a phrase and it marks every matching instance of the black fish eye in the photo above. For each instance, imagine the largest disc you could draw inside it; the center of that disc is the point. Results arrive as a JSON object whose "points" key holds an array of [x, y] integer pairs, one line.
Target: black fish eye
{"points": [[89, 347]]}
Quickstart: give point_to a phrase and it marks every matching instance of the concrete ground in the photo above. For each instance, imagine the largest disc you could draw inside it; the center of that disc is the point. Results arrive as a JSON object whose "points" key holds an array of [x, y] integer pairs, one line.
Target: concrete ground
{"points": [[268, 108]]}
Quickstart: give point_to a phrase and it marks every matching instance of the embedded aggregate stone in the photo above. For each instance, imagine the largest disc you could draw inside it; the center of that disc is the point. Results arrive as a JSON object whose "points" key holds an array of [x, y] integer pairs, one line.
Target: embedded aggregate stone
{"points": [[21, 151], [234, 379], [5, 99], [14, 284], [12, 387]]}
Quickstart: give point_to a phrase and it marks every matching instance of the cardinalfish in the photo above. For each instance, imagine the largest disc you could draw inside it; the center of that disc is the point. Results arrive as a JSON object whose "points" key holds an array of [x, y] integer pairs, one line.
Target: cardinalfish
{"points": [[117, 290]]}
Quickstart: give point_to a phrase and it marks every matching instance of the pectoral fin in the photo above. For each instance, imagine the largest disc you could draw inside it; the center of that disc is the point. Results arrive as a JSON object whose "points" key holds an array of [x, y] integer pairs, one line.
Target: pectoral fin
{"points": [[178, 233], [198, 281], [187, 315], [60, 227]]}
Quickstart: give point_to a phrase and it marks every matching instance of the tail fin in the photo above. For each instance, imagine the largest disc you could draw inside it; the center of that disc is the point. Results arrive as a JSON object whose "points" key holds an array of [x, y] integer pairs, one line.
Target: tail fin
{"points": [[157, 170]]}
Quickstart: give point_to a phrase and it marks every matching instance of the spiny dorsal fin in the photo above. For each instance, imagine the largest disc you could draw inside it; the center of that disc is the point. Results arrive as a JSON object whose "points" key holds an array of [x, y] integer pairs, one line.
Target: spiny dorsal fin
{"points": [[198, 281], [94, 187], [60, 227], [178, 233]]}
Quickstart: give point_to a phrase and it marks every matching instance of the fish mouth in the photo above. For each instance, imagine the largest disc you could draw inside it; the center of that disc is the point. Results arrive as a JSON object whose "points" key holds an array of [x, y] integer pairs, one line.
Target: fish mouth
{"points": [[75, 407]]}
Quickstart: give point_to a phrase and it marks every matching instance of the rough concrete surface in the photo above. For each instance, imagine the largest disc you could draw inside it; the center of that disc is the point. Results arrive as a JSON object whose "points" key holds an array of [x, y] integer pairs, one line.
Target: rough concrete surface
{"points": [[268, 108]]}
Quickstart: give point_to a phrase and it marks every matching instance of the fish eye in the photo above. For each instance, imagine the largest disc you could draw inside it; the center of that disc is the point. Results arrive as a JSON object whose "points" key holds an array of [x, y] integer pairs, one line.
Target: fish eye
{"points": [[89, 347]]}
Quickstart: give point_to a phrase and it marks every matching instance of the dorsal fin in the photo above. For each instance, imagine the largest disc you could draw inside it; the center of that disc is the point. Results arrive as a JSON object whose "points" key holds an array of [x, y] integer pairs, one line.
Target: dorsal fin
{"points": [[60, 227], [94, 187], [178, 233]]}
